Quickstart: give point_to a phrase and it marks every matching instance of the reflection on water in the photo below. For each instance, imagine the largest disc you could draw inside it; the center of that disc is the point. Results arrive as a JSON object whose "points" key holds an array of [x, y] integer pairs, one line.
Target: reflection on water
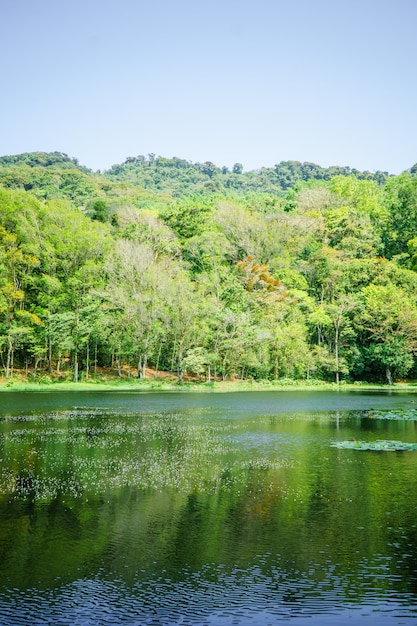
{"points": [[205, 509]]}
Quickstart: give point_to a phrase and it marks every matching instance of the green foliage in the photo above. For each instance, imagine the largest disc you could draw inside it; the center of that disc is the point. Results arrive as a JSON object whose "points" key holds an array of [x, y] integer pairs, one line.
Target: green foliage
{"points": [[183, 178], [45, 183], [401, 203], [273, 275], [188, 218], [388, 317], [57, 160]]}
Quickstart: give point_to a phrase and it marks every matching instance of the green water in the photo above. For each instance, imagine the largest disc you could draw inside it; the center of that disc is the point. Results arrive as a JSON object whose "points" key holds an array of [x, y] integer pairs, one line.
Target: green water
{"points": [[164, 508]]}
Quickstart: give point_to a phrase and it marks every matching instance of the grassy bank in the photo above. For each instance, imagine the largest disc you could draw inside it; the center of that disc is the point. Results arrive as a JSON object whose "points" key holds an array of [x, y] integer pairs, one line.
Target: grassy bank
{"points": [[156, 384]]}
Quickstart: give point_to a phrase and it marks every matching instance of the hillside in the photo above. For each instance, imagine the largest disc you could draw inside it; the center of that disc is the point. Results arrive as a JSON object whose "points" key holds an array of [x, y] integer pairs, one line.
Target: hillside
{"points": [[309, 275], [180, 178], [57, 175]]}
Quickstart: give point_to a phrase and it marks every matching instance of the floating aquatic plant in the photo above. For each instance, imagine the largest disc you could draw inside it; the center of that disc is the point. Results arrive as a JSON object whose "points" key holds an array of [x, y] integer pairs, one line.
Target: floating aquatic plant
{"points": [[81, 453], [380, 445], [392, 414]]}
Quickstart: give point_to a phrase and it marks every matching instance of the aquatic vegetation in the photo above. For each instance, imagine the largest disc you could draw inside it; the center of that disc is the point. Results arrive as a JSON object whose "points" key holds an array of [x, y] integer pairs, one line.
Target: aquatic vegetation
{"points": [[82, 453], [378, 446], [392, 414]]}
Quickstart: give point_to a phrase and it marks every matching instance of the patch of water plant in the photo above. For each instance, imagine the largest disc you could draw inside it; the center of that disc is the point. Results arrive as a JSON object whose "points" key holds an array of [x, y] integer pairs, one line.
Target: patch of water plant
{"points": [[381, 445], [392, 414], [82, 453]]}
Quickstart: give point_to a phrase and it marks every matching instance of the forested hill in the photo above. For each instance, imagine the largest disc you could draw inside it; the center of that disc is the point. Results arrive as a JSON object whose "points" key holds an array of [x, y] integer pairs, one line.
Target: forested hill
{"points": [[56, 160], [38, 171], [309, 274], [55, 175], [180, 178]]}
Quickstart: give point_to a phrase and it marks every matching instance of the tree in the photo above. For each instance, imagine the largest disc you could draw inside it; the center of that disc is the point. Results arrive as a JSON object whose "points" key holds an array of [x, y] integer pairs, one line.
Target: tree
{"points": [[234, 341], [246, 231], [138, 290], [15, 266], [353, 232], [199, 361], [365, 196], [388, 317], [401, 203], [207, 252], [187, 319], [73, 249], [188, 218], [287, 339], [145, 227], [337, 312], [237, 168]]}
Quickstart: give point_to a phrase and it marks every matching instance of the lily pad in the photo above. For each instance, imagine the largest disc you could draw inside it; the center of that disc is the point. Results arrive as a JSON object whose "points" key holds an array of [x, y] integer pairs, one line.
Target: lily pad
{"points": [[378, 446], [392, 414]]}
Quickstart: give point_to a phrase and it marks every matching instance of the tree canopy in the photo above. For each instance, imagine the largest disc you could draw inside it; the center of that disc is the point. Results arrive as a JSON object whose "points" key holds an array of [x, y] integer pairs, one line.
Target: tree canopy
{"points": [[295, 271]]}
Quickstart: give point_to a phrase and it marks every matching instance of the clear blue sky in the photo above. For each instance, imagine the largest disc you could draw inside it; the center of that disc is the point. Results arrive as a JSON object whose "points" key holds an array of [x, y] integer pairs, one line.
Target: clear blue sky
{"points": [[249, 81]]}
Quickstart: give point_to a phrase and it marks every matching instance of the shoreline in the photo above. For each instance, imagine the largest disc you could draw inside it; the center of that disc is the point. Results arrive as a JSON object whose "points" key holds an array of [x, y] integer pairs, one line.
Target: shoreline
{"points": [[153, 385]]}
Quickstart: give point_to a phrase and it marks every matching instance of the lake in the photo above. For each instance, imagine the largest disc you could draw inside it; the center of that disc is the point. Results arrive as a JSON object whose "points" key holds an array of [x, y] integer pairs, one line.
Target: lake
{"points": [[221, 509]]}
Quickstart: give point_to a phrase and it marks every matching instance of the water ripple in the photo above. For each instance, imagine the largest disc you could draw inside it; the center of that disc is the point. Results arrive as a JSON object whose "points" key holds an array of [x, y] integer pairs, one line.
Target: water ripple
{"points": [[241, 597]]}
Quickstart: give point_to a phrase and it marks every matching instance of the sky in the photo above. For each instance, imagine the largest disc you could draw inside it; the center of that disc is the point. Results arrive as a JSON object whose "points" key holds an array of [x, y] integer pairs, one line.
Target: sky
{"points": [[229, 81]]}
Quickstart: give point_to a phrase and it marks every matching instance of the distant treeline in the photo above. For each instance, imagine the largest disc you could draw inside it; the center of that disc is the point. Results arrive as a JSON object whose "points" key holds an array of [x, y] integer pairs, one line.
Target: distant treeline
{"points": [[174, 176]]}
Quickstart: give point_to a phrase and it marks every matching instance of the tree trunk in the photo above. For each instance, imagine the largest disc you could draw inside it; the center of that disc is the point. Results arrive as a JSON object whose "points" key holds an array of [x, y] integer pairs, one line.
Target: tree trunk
{"points": [[179, 365], [49, 355], [173, 358], [157, 358], [224, 366], [276, 364], [76, 368], [319, 336], [388, 374], [336, 351], [9, 362], [87, 361]]}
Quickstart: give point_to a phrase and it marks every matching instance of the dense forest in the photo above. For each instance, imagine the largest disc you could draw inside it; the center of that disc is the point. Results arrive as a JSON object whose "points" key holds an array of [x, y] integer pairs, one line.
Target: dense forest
{"points": [[291, 272]]}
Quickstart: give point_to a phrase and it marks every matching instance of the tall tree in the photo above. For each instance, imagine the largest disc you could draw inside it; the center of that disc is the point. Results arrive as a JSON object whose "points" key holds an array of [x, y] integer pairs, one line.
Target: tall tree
{"points": [[401, 203], [389, 318]]}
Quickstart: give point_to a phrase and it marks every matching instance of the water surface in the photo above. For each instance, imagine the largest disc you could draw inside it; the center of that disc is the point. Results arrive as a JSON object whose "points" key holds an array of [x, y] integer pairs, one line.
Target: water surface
{"points": [[185, 508]]}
